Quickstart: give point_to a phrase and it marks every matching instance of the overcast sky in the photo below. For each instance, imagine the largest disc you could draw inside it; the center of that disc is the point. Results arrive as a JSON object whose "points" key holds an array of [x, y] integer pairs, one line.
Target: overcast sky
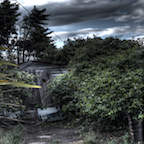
{"points": [[83, 18]]}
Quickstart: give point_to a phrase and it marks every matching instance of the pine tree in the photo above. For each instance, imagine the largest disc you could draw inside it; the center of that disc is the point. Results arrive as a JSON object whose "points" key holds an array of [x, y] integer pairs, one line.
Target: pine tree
{"points": [[37, 18], [8, 18], [37, 34]]}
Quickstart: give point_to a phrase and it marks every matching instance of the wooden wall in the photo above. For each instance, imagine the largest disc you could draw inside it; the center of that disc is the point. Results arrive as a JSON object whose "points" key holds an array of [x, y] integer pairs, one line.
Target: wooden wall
{"points": [[46, 72]]}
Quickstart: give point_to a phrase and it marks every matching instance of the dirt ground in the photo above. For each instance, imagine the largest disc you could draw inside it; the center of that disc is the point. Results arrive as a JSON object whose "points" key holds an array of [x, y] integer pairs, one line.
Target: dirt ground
{"points": [[51, 135]]}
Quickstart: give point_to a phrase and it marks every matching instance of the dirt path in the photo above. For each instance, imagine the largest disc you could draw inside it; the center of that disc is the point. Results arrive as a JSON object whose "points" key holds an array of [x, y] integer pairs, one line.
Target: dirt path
{"points": [[51, 135]]}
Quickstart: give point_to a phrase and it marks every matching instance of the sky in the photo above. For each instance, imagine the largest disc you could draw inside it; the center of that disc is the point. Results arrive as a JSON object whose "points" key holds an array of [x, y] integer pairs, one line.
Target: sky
{"points": [[85, 18]]}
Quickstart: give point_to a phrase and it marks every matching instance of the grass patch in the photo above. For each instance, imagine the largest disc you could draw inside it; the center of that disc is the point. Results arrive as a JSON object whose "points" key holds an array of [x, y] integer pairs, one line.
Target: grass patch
{"points": [[13, 136], [97, 138], [92, 138], [57, 141]]}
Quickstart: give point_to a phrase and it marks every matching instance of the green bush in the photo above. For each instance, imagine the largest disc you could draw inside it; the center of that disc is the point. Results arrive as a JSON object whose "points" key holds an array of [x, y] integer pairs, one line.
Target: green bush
{"points": [[106, 79]]}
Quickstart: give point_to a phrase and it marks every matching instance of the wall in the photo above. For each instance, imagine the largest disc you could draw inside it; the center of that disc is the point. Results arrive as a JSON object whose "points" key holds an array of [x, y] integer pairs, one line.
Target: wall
{"points": [[46, 72]]}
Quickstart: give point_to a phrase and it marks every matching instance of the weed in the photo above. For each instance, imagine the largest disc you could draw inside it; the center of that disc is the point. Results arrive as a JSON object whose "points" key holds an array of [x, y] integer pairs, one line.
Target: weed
{"points": [[92, 138], [57, 141], [97, 138], [77, 132], [12, 137]]}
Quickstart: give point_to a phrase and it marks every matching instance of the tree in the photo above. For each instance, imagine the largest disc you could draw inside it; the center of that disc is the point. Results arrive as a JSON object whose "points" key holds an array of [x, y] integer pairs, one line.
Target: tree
{"points": [[37, 34], [65, 54], [8, 18], [37, 17]]}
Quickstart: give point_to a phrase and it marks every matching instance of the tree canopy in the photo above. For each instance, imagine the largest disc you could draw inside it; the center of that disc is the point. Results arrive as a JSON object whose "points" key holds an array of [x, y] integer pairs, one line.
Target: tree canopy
{"points": [[36, 33], [8, 18]]}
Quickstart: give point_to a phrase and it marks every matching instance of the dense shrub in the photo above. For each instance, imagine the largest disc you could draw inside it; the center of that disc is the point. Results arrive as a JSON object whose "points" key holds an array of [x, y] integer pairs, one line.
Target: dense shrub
{"points": [[106, 79]]}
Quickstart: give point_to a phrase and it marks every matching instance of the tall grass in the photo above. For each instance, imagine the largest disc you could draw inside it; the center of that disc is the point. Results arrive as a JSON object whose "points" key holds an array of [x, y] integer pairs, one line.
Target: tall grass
{"points": [[13, 136], [97, 138]]}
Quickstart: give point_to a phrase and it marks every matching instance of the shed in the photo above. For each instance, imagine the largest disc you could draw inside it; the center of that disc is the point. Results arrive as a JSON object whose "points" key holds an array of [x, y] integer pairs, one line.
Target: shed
{"points": [[47, 72]]}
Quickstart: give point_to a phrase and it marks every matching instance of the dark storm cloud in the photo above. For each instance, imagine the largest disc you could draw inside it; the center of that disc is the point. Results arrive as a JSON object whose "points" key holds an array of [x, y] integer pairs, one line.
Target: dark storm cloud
{"points": [[82, 18], [135, 12], [64, 13], [79, 10]]}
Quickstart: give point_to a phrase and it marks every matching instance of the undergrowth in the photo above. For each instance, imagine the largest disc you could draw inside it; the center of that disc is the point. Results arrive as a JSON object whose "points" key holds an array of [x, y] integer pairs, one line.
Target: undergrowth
{"points": [[93, 134], [13, 136], [101, 138]]}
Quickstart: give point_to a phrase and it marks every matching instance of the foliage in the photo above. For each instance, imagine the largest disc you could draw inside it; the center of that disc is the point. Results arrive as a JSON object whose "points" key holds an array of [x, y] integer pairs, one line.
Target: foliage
{"points": [[99, 138], [11, 96], [30, 39], [68, 51], [18, 95], [57, 141], [37, 35], [93, 138], [7, 80], [12, 137], [8, 18], [106, 79], [36, 18], [63, 91]]}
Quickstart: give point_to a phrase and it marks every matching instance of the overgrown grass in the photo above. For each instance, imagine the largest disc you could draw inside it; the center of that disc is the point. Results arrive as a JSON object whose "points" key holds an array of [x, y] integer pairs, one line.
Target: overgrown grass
{"points": [[13, 136], [97, 138], [57, 141]]}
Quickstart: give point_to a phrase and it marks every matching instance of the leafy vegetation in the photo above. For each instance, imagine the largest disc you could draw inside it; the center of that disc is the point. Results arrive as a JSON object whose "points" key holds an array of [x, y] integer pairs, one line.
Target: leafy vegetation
{"points": [[8, 18], [57, 141], [68, 51], [27, 38], [105, 81], [99, 138], [106, 78], [13, 93], [12, 137], [36, 35], [12, 96]]}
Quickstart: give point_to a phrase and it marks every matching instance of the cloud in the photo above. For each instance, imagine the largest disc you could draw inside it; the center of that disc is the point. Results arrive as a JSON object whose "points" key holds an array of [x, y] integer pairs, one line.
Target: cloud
{"points": [[135, 12], [65, 12], [78, 18], [106, 32], [91, 31], [79, 33], [81, 10], [36, 2]]}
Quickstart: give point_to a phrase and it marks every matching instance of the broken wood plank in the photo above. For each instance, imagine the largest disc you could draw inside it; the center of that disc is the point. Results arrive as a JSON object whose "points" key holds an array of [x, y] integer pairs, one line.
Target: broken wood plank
{"points": [[16, 105], [18, 120]]}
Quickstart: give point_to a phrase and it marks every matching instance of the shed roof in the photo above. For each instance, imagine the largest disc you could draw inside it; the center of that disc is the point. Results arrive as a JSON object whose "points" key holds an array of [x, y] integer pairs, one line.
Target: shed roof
{"points": [[38, 65]]}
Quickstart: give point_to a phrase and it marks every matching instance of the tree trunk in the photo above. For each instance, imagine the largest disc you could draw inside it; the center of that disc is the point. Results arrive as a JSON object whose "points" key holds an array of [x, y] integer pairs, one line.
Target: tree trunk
{"points": [[23, 55], [18, 59], [136, 129], [130, 126]]}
